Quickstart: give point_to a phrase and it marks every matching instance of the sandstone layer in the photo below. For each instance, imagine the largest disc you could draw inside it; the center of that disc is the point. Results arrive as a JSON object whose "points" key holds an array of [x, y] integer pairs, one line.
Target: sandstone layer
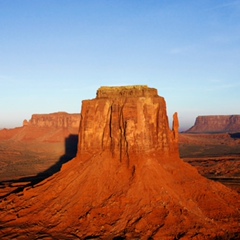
{"points": [[216, 123], [127, 181], [58, 120], [131, 121], [52, 127]]}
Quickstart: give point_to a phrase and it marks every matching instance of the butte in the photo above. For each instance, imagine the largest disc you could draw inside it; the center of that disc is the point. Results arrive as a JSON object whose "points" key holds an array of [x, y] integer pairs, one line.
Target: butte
{"points": [[126, 182]]}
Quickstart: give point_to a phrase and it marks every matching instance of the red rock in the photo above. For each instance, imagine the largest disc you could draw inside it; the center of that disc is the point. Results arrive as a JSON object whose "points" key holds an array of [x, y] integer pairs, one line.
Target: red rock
{"points": [[52, 127], [132, 121], [216, 123], [58, 119], [127, 181], [6, 134]]}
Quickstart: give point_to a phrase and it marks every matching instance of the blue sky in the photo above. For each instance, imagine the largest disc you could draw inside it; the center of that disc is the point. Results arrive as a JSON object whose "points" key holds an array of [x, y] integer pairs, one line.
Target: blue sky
{"points": [[56, 53]]}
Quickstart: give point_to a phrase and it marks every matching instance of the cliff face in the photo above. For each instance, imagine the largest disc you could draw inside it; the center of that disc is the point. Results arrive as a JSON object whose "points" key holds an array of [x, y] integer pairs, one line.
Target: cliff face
{"points": [[217, 123], [58, 120], [52, 127], [127, 181], [127, 121]]}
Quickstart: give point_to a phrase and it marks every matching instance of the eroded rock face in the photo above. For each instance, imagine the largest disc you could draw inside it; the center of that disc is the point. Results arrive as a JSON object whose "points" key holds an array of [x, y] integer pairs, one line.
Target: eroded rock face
{"points": [[58, 120], [216, 123], [127, 181], [127, 121], [52, 127]]}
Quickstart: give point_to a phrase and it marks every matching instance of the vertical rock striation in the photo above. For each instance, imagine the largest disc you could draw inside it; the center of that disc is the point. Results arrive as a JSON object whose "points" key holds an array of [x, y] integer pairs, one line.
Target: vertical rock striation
{"points": [[127, 121], [57, 120]]}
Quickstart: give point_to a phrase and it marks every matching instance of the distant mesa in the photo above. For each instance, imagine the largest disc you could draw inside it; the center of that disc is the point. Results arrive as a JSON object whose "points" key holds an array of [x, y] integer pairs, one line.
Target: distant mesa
{"points": [[216, 124], [58, 120], [126, 182], [52, 127]]}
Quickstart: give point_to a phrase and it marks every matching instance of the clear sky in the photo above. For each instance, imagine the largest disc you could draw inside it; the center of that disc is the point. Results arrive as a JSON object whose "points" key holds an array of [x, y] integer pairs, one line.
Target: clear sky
{"points": [[56, 53]]}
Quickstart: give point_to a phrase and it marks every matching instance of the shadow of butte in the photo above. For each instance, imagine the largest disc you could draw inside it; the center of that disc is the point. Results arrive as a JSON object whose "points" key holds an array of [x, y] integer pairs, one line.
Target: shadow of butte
{"points": [[71, 143]]}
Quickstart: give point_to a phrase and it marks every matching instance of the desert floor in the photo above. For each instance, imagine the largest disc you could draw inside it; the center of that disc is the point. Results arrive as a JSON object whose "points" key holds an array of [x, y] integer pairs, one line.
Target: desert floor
{"points": [[25, 163], [216, 156]]}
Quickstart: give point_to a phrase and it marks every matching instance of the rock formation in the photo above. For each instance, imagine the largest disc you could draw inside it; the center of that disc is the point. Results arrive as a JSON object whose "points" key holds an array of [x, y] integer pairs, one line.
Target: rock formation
{"points": [[127, 121], [58, 120], [52, 127], [127, 181], [216, 123]]}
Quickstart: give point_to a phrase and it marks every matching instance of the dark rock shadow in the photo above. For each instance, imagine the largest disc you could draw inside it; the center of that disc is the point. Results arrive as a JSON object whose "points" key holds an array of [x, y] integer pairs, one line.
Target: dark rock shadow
{"points": [[71, 143], [235, 135]]}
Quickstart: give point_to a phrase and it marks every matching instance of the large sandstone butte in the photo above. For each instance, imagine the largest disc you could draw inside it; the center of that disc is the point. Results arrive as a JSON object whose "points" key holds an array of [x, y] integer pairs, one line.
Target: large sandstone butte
{"points": [[127, 181], [216, 123]]}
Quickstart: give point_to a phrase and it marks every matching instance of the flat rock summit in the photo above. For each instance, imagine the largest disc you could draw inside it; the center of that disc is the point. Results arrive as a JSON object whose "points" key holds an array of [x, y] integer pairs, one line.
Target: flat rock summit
{"points": [[126, 182], [216, 124], [50, 127]]}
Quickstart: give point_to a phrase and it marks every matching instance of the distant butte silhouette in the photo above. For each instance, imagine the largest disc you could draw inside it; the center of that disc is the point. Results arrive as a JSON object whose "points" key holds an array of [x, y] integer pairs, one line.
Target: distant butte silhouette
{"points": [[216, 124], [126, 182]]}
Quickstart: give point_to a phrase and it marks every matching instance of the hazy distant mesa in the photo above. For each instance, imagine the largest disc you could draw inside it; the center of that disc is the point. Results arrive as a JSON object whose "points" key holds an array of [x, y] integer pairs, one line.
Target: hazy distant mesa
{"points": [[203, 124], [58, 119], [216, 123]]}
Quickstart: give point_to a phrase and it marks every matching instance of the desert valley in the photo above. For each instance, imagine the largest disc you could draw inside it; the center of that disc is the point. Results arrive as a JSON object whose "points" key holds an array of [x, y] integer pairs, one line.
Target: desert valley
{"points": [[117, 170]]}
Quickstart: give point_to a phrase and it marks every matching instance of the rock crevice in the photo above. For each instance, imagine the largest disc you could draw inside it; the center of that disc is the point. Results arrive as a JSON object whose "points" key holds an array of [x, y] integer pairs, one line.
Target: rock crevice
{"points": [[138, 124]]}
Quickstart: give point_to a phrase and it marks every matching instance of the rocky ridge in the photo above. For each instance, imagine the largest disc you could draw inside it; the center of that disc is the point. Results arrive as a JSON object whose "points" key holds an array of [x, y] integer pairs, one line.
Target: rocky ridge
{"points": [[126, 182], [51, 127], [58, 120], [216, 123]]}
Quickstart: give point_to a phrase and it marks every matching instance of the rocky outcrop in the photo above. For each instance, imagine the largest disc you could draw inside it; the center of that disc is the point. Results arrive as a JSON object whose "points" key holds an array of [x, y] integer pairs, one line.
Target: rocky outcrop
{"points": [[127, 181], [58, 120], [127, 121], [52, 127], [216, 123]]}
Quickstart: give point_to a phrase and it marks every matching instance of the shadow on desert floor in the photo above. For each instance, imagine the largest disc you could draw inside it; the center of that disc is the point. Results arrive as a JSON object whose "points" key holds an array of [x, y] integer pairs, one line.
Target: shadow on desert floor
{"points": [[71, 143], [235, 135]]}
